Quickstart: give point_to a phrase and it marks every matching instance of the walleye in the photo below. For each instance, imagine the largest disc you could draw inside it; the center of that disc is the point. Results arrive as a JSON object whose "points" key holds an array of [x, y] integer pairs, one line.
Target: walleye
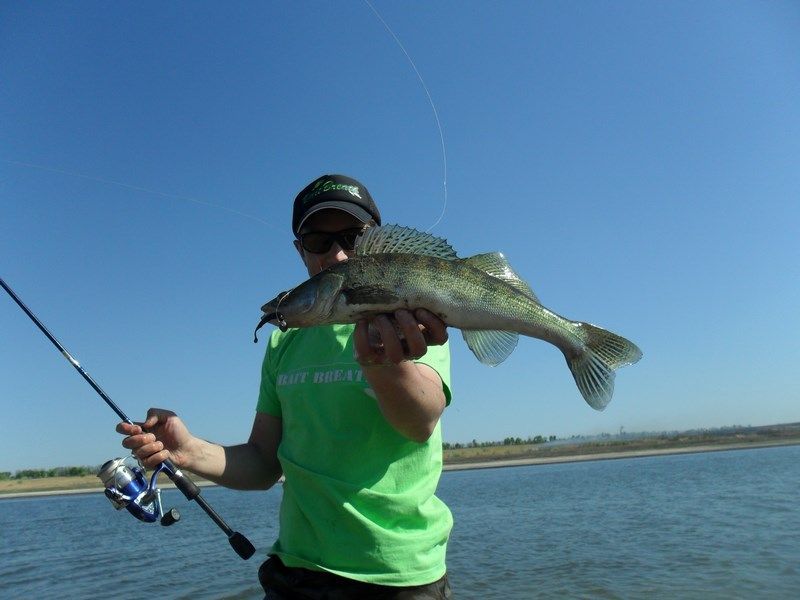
{"points": [[397, 267]]}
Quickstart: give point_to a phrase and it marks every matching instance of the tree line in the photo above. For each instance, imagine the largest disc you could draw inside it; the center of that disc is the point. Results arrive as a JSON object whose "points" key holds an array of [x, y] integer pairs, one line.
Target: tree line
{"points": [[509, 441], [42, 473]]}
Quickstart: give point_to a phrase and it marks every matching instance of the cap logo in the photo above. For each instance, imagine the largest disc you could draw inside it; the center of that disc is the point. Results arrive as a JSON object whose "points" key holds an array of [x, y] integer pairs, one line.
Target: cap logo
{"points": [[327, 186]]}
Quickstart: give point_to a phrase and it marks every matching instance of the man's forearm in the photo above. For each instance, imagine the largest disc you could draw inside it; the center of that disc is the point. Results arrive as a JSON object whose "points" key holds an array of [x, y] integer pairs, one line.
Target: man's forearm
{"points": [[409, 395], [238, 467]]}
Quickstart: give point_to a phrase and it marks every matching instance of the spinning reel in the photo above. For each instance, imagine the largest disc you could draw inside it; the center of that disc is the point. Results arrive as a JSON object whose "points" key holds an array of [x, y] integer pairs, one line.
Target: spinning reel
{"points": [[126, 487]]}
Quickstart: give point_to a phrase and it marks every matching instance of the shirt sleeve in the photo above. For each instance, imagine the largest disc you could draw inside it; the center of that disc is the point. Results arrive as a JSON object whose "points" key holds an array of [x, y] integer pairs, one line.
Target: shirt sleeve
{"points": [[438, 359], [268, 401]]}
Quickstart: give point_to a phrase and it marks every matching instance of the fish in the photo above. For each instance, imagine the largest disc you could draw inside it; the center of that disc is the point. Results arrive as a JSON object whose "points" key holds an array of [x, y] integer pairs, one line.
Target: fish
{"points": [[395, 267]]}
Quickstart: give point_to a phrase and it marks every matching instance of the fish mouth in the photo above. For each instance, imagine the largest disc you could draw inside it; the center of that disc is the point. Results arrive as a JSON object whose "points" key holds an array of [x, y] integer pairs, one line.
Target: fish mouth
{"points": [[272, 315], [275, 318]]}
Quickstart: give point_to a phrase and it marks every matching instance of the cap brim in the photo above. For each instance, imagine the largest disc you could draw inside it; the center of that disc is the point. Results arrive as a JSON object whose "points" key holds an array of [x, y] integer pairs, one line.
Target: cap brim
{"points": [[351, 209]]}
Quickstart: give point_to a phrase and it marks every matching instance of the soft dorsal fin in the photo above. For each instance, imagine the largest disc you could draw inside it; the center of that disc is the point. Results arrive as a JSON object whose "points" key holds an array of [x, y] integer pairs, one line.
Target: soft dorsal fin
{"points": [[496, 265], [403, 240]]}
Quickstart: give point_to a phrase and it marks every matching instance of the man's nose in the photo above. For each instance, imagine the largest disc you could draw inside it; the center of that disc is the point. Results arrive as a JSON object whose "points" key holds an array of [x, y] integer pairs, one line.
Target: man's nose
{"points": [[335, 255], [337, 249]]}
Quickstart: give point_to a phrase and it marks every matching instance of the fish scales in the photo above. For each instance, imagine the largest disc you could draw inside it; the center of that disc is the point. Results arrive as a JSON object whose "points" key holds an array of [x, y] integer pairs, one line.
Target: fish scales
{"points": [[460, 294]]}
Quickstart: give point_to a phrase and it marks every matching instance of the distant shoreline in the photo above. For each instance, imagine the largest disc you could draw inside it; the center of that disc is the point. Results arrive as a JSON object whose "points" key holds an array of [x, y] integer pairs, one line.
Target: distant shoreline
{"points": [[619, 454], [486, 464]]}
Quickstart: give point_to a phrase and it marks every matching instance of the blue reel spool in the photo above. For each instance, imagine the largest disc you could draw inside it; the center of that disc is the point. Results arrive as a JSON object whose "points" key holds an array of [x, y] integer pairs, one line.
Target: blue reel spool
{"points": [[126, 486]]}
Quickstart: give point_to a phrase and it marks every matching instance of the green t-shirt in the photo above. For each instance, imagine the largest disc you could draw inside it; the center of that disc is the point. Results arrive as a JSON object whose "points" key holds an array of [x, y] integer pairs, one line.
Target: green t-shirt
{"points": [[358, 498]]}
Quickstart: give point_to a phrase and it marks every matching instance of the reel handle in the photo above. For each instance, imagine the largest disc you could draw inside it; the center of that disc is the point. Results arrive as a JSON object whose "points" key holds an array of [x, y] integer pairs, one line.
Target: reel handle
{"points": [[170, 517]]}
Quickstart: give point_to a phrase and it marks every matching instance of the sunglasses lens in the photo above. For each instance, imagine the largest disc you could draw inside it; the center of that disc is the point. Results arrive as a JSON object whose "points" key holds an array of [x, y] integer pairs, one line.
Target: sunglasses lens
{"points": [[318, 243], [347, 240]]}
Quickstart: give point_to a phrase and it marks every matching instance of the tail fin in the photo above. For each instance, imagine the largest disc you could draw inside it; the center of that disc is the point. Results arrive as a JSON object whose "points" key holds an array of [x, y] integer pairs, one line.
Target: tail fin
{"points": [[593, 369]]}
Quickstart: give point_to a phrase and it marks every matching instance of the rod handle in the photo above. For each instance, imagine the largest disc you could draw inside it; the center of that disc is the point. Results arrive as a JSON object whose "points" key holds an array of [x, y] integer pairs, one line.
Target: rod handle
{"points": [[241, 545], [181, 481]]}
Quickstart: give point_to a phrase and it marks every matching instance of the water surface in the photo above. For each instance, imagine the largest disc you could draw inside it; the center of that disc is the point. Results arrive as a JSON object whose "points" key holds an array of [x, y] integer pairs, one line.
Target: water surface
{"points": [[711, 525]]}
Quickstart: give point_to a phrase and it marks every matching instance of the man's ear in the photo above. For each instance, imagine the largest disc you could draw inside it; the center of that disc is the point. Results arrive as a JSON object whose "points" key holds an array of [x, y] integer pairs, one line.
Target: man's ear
{"points": [[299, 249]]}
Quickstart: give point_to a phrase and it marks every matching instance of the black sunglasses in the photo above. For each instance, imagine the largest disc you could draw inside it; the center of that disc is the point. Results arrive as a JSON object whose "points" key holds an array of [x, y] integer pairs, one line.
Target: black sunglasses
{"points": [[319, 242]]}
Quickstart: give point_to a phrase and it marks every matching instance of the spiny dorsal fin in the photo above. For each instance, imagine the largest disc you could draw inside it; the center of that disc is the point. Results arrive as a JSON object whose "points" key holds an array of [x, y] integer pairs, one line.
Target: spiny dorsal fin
{"points": [[496, 265], [403, 240]]}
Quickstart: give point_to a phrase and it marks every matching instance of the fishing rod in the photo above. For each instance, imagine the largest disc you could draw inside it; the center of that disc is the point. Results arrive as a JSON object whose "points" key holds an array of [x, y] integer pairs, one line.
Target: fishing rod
{"points": [[124, 478]]}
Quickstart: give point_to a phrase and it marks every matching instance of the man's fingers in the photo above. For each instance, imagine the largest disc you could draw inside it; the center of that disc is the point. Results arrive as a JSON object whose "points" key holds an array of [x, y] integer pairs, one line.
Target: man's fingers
{"points": [[391, 339], [148, 450], [392, 347], [128, 429], [361, 336], [155, 416], [435, 329], [133, 442], [415, 344], [367, 345], [152, 461], [361, 344]]}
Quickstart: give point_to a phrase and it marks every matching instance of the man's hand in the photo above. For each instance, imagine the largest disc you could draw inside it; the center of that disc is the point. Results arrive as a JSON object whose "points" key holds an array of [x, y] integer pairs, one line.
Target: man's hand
{"points": [[409, 394], [161, 436], [390, 340]]}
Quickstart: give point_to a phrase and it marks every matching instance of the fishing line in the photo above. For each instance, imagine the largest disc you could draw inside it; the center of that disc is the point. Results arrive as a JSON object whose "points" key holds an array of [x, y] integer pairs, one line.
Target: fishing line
{"points": [[430, 101], [138, 189]]}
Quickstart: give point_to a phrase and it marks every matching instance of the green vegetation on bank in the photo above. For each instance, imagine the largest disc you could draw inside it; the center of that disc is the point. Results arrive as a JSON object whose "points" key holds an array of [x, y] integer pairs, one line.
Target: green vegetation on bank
{"points": [[42, 473], [509, 441], [621, 442]]}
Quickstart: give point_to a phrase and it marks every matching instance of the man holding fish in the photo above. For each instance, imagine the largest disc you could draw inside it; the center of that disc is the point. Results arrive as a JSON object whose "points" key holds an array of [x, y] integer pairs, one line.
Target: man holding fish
{"points": [[349, 414]]}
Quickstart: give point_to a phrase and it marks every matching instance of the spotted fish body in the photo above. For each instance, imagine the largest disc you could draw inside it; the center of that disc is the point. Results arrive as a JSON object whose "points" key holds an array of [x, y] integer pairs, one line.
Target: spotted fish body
{"points": [[396, 267]]}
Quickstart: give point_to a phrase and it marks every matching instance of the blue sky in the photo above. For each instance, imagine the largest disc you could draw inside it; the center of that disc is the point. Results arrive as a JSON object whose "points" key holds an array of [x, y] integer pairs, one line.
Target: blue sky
{"points": [[636, 162]]}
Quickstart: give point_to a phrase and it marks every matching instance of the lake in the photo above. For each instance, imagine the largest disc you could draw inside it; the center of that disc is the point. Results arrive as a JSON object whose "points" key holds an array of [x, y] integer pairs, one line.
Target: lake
{"points": [[708, 525]]}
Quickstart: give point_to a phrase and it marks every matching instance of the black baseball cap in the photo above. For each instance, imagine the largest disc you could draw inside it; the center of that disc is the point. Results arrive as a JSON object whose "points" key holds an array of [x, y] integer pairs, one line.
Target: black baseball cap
{"points": [[334, 191]]}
